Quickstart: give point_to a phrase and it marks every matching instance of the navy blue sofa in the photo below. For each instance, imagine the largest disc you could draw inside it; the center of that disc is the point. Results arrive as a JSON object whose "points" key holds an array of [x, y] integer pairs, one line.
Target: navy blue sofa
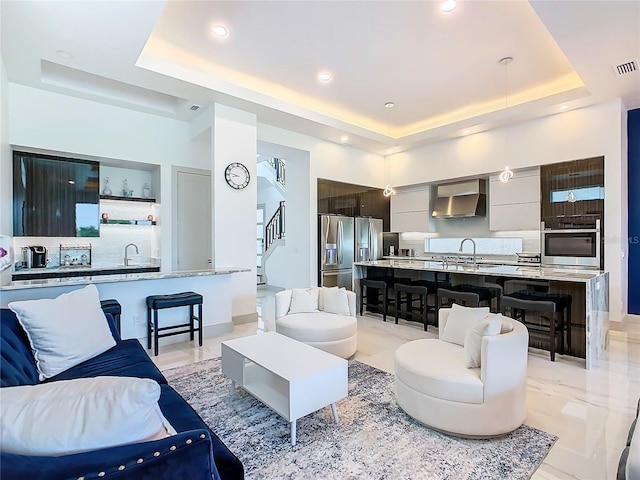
{"points": [[195, 453]]}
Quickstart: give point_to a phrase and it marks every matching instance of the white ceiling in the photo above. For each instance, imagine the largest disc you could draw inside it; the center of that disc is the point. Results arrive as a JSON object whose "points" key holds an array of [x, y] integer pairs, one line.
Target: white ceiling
{"points": [[441, 70]]}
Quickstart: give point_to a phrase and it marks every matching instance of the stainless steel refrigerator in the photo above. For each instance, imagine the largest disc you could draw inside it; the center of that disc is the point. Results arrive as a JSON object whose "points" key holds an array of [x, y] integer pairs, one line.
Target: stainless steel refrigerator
{"points": [[368, 244], [335, 249]]}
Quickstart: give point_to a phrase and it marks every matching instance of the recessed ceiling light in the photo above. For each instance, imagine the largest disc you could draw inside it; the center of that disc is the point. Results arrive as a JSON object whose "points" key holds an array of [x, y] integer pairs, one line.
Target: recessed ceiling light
{"points": [[344, 139], [64, 54], [466, 132], [389, 105], [324, 77], [564, 107], [448, 6], [220, 31]]}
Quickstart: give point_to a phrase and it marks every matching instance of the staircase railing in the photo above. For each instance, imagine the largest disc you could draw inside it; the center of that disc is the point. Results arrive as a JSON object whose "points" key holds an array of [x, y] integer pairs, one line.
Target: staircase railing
{"points": [[275, 227], [280, 166]]}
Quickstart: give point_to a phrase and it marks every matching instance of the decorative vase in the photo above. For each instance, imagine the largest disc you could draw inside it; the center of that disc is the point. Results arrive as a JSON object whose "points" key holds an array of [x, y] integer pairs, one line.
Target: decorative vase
{"points": [[107, 188], [146, 190]]}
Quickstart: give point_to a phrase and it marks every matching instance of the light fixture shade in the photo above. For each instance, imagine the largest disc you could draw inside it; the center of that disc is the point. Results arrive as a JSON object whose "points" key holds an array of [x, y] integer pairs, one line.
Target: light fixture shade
{"points": [[388, 191], [505, 175]]}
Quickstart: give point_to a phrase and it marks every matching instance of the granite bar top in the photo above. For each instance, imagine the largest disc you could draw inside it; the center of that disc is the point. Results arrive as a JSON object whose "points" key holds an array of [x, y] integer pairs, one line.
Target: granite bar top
{"points": [[515, 271], [126, 277], [80, 271]]}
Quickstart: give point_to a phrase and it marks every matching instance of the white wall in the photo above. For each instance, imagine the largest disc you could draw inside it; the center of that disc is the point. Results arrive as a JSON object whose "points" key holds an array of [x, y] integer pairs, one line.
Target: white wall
{"points": [[583, 133], [308, 159], [6, 226]]}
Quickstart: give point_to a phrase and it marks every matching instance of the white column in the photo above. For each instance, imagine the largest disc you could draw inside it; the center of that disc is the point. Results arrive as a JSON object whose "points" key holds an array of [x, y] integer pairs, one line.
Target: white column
{"points": [[234, 211]]}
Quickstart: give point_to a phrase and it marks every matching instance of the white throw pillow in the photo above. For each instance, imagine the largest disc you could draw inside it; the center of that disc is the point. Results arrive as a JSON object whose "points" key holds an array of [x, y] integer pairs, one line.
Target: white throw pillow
{"points": [[72, 416], [473, 340], [506, 326], [335, 300], [304, 300], [64, 331], [460, 321]]}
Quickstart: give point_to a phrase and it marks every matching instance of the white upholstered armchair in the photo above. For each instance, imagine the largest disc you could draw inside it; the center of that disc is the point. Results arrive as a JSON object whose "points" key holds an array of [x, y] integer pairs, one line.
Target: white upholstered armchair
{"points": [[435, 385], [324, 318]]}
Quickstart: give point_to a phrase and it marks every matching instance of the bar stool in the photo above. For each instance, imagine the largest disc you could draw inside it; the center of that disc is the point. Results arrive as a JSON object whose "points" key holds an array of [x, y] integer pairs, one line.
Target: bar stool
{"points": [[159, 302], [421, 292], [113, 307], [468, 294], [551, 303], [373, 299]]}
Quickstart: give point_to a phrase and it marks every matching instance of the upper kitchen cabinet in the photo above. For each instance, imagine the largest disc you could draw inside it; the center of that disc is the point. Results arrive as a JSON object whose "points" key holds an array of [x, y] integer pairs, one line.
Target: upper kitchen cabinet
{"points": [[55, 196], [515, 205], [573, 193], [410, 209], [340, 198]]}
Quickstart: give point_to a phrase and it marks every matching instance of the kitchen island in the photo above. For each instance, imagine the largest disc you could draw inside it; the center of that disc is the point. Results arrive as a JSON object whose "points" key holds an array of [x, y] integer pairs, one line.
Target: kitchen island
{"points": [[131, 291], [588, 288]]}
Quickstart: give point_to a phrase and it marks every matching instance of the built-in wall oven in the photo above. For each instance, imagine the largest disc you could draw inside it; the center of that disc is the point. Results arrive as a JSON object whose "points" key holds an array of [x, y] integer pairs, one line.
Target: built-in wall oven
{"points": [[576, 247]]}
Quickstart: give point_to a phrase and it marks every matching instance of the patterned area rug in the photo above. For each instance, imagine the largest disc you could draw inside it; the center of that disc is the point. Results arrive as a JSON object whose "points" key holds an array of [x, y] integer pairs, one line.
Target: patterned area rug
{"points": [[375, 439]]}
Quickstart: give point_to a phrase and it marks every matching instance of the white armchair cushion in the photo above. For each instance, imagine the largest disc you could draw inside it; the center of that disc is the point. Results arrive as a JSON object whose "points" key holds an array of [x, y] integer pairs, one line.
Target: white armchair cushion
{"points": [[460, 321], [304, 300], [334, 300], [473, 340], [319, 327], [64, 331], [72, 416]]}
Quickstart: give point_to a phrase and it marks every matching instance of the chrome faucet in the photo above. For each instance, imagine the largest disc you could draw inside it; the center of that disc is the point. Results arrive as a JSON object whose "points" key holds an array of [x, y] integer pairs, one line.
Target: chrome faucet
{"points": [[475, 263], [126, 255]]}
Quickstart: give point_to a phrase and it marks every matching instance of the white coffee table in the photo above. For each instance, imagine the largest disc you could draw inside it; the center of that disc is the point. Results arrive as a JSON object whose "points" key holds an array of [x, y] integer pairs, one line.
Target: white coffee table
{"points": [[290, 377]]}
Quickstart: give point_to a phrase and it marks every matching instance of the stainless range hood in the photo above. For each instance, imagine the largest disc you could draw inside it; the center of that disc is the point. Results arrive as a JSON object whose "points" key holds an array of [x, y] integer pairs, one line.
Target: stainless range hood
{"points": [[461, 199]]}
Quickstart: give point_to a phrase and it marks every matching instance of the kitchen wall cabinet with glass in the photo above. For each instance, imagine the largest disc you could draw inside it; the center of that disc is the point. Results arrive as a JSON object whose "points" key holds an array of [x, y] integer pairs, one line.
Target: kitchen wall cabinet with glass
{"points": [[410, 209], [515, 205]]}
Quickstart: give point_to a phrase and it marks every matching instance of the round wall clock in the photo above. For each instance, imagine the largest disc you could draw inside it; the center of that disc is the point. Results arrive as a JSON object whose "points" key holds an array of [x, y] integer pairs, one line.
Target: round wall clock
{"points": [[237, 175]]}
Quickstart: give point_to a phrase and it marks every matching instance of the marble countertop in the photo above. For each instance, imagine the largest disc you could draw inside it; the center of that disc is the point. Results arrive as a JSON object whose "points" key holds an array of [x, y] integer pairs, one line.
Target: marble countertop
{"points": [[515, 271], [82, 268], [85, 280]]}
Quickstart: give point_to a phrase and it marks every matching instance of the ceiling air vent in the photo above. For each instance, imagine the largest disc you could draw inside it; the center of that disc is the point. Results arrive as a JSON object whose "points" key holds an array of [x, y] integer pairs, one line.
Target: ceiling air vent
{"points": [[625, 68], [194, 107]]}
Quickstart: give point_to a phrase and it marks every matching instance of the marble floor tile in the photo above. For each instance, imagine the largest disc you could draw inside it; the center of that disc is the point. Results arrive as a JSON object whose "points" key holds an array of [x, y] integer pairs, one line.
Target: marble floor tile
{"points": [[590, 411]]}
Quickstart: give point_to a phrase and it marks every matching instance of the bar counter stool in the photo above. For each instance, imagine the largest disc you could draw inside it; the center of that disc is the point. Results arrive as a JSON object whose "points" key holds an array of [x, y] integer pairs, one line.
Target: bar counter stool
{"points": [[468, 294], [412, 293], [557, 306], [159, 302], [372, 293]]}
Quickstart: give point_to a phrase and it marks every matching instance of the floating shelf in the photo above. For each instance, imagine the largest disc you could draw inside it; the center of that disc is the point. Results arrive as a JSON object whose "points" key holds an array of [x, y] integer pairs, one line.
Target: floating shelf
{"points": [[128, 222], [127, 199]]}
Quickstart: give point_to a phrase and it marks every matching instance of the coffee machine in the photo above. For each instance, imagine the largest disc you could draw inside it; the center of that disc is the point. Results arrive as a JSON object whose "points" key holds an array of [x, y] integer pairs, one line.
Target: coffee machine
{"points": [[34, 256]]}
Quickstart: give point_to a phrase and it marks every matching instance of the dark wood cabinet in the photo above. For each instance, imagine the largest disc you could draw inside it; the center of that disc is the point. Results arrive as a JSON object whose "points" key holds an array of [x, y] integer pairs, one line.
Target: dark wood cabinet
{"points": [[55, 196], [353, 200]]}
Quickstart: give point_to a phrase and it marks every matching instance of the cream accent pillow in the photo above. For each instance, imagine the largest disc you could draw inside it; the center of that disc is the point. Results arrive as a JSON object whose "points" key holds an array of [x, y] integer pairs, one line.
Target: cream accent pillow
{"points": [[72, 416], [460, 321], [335, 301], [64, 331], [304, 300], [506, 326], [473, 340]]}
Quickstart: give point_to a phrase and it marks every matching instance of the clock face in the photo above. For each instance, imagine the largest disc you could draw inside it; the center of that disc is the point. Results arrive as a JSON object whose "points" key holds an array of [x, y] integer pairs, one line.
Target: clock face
{"points": [[237, 175]]}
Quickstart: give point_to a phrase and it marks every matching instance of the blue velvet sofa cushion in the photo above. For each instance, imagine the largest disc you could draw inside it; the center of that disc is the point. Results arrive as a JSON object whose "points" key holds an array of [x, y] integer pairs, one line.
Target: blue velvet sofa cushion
{"points": [[126, 359], [17, 366]]}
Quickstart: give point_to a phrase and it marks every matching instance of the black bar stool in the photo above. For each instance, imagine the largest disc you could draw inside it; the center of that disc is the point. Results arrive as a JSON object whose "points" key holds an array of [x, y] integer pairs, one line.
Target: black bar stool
{"points": [[371, 297], [159, 302], [113, 307], [468, 294], [551, 303], [412, 293]]}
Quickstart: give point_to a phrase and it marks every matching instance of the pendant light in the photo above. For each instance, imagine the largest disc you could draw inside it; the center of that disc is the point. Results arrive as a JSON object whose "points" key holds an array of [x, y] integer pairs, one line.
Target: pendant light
{"points": [[388, 189], [506, 174]]}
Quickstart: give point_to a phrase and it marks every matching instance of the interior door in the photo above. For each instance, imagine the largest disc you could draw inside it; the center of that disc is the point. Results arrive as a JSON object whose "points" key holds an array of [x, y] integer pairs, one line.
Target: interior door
{"points": [[193, 221]]}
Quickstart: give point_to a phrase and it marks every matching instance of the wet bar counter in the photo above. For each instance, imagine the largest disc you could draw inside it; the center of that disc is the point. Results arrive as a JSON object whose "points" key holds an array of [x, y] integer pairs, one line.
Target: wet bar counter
{"points": [[588, 288], [131, 291]]}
